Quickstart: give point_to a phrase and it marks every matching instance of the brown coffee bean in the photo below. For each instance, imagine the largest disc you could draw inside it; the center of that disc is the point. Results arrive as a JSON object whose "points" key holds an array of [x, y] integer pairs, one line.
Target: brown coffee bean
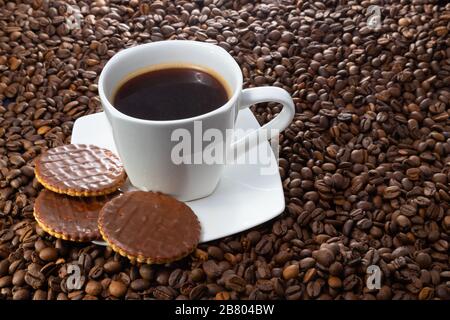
{"points": [[234, 282], [197, 275], [334, 282], [198, 292], [211, 269], [40, 295], [164, 293], [5, 281], [314, 288], [307, 263], [117, 289], [324, 256], [4, 266], [93, 288], [19, 278], [309, 275], [336, 269], [426, 294], [96, 272], [294, 292], [177, 278], [215, 252], [21, 294], [162, 277], [423, 260], [264, 246], [403, 222], [112, 267], [223, 295], [48, 254], [34, 277], [146, 272], [357, 156], [140, 284], [385, 293], [391, 192], [291, 272]]}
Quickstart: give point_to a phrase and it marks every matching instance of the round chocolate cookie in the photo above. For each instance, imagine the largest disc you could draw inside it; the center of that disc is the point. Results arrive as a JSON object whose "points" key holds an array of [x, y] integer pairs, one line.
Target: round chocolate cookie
{"points": [[149, 227], [69, 218], [80, 170]]}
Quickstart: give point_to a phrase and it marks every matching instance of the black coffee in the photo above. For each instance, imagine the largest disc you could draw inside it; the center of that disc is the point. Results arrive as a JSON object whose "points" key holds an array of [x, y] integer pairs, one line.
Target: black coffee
{"points": [[170, 94]]}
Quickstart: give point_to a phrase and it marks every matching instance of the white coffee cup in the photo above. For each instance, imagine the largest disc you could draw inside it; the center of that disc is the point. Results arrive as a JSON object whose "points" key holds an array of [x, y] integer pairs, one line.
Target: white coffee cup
{"points": [[145, 146]]}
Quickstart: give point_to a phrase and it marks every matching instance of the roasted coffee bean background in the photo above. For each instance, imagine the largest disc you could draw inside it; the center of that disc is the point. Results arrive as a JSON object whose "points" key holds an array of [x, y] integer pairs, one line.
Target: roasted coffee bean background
{"points": [[365, 164]]}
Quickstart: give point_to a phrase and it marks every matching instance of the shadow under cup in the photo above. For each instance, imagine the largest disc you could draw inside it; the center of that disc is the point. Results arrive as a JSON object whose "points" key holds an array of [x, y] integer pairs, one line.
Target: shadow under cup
{"points": [[145, 146]]}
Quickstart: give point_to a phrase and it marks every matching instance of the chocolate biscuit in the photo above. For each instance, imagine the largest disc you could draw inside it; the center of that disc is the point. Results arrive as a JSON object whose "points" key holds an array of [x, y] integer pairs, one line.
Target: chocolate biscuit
{"points": [[149, 227], [80, 170], [69, 218]]}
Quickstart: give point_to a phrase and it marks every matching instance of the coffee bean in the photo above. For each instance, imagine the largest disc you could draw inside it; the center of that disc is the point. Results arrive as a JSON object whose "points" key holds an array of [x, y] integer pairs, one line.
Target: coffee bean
{"points": [[19, 278], [140, 284], [254, 237], [21, 294], [211, 269], [96, 272], [164, 293], [5, 281], [234, 282], [423, 260], [146, 272], [403, 222], [264, 246], [112, 267], [336, 269], [40, 295], [291, 272], [163, 278], [403, 22], [294, 292], [117, 289], [198, 292], [177, 278], [4, 265], [357, 156], [314, 288], [34, 277], [48, 254], [334, 282], [391, 192], [307, 263], [309, 275], [197, 275], [223, 295], [426, 293], [215, 252], [324, 256], [350, 282], [93, 288]]}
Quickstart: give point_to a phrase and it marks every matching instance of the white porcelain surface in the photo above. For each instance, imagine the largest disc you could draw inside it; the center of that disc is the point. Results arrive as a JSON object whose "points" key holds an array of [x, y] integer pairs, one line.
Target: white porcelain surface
{"points": [[145, 147], [244, 198]]}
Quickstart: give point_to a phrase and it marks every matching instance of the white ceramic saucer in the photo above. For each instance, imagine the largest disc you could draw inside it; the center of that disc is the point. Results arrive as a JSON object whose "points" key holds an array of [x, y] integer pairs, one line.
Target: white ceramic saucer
{"points": [[244, 197]]}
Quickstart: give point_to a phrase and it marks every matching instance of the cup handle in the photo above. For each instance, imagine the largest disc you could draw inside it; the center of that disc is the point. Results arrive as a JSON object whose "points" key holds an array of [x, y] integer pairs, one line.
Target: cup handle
{"points": [[280, 122]]}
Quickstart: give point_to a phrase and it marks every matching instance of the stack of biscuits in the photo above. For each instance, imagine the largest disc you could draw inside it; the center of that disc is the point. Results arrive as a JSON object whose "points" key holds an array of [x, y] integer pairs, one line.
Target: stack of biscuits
{"points": [[82, 202]]}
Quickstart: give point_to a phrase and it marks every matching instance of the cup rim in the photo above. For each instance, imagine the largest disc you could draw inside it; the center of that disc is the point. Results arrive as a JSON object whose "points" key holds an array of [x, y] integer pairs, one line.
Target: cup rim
{"points": [[121, 54]]}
